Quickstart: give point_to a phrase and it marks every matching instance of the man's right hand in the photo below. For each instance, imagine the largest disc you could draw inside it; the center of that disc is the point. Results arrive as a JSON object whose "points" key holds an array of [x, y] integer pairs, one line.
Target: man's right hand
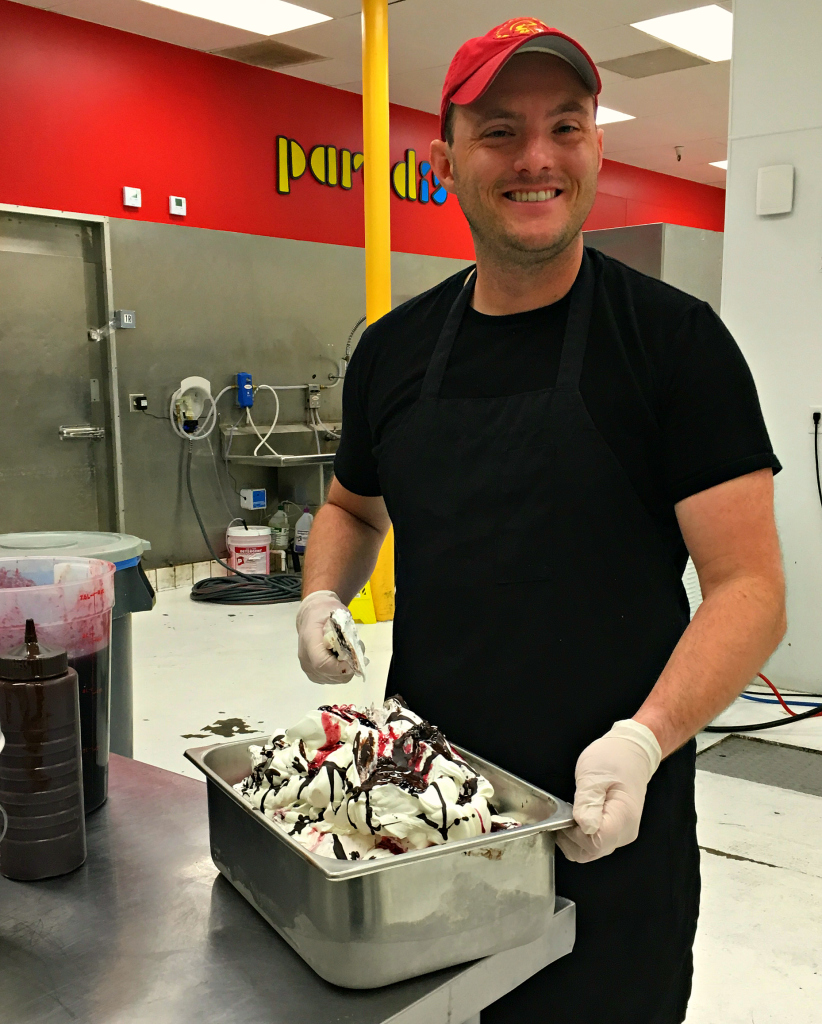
{"points": [[318, 661]]}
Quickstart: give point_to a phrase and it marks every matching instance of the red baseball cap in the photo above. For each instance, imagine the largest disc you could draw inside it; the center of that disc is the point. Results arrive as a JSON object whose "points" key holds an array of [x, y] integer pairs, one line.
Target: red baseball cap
{"points": [[478, 61]]}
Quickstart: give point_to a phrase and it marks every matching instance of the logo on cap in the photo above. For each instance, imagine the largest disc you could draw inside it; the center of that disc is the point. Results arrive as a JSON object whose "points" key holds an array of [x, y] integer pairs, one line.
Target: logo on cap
{"points": [[520, 27]]}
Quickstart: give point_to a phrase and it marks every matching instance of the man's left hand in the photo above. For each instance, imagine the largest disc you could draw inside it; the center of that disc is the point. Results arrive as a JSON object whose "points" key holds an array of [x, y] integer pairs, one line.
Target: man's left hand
{"points": [[612, 775]]}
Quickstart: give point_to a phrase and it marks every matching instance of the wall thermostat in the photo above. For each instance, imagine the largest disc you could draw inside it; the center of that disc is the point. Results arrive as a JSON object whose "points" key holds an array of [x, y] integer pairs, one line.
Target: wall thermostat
{"points": [[252, 497], [132, 196], [177, 206], [774, 190]]}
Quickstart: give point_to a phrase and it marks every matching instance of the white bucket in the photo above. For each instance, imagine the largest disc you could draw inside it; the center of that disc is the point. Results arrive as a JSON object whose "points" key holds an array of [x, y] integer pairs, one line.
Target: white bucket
{"points": [[249, 550]]}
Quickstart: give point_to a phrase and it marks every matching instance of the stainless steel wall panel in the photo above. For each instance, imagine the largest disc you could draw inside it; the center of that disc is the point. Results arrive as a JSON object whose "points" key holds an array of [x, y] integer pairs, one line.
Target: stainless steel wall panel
{"points": [[692, 261], [44, 366], [213, 303], [52, 291], [687, 258], [639, 246]]}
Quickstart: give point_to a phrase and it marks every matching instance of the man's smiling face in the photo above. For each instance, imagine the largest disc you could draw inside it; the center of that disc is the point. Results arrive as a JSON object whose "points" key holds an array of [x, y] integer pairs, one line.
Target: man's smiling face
{"points": [[524, 159]]}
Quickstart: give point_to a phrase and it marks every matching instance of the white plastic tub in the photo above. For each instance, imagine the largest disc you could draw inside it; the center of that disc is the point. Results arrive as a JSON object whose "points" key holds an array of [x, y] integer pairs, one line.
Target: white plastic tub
{"points": [[249, 548]]}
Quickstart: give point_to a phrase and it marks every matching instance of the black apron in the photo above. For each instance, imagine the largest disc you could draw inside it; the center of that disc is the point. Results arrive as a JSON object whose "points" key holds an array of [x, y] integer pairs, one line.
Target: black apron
{"points": [[536, 605]]}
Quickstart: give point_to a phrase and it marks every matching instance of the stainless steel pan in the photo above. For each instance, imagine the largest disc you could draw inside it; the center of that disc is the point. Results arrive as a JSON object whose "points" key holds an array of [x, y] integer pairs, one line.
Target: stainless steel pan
{"points": [[362, 924]]}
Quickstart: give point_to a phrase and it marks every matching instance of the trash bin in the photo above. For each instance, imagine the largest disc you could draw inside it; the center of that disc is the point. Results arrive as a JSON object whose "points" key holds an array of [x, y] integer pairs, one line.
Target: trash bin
{"points": [[132, 593]]}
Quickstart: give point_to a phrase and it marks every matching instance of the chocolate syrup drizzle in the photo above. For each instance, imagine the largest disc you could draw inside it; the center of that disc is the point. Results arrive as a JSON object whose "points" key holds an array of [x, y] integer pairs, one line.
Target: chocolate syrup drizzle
{"points": [[396, 770]]}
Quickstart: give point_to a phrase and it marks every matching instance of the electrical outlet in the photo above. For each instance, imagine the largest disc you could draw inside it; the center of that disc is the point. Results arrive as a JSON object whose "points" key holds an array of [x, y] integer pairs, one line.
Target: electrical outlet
{"points": [[313, 396], [137, 403]]}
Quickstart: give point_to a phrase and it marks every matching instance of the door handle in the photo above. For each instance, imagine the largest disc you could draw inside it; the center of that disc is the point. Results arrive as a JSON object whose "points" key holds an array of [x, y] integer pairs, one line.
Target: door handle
{"points": [[81, 433]]}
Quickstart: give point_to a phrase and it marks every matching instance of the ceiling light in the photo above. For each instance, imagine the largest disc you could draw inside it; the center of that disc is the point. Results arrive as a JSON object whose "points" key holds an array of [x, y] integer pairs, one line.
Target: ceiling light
{"points": [[607, 116], [705, 31], [719, 163], [265, 17]]}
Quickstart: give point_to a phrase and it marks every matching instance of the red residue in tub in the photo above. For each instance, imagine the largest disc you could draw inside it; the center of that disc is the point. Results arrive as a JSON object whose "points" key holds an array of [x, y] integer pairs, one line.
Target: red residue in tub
{"points": [[333, 729], [14, 580], [385, 743], [317, 762], [391, 844]]}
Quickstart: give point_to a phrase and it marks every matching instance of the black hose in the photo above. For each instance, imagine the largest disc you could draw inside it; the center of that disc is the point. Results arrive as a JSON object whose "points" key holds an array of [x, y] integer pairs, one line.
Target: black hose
{"points": [[240, 587], [347, 355], [764, 725], [230, 590]]}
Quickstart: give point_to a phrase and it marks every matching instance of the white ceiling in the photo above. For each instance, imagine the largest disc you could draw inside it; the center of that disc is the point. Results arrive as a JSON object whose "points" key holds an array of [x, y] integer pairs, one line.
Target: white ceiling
{"points": [[687, 108]]}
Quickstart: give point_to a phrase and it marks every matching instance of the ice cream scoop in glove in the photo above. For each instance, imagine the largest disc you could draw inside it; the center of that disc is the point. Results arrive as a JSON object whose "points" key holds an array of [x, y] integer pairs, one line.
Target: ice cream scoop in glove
{"points": [[612, 775], [329, 648]]}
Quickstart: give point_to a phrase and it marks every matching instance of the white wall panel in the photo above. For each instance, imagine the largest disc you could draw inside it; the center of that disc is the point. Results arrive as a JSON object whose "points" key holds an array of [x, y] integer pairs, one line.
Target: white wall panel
{"points": [[772, 284]]}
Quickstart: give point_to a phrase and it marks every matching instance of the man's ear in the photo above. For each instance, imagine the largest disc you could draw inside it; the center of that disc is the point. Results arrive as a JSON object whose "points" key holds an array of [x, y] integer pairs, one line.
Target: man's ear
{"points": [[440, 158]]}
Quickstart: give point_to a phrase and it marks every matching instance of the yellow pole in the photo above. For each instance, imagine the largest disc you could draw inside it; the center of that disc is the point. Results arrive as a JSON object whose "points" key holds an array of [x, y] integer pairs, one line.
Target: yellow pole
{"points": [[376, 178], [377, 167]]}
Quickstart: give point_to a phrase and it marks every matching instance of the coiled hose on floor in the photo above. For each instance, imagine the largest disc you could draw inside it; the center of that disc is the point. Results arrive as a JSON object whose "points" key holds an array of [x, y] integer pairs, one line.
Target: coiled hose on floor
{"points": [[239, 588]]}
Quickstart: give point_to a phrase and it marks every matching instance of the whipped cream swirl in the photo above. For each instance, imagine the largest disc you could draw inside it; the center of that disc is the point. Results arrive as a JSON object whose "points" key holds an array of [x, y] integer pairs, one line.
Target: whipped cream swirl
{"points": [[362, 783]]}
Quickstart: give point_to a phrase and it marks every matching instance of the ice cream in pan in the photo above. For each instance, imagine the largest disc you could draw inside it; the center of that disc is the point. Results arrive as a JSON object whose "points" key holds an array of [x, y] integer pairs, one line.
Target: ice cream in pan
{"points": [[361, 783]]}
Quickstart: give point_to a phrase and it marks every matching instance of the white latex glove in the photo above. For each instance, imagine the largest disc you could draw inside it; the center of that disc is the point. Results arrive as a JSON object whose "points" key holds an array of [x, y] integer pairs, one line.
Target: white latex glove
{"points": [[612, 775], [318, 661]]}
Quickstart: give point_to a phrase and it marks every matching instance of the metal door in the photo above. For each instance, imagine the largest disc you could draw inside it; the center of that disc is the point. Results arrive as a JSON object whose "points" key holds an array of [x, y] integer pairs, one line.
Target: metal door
{"points": [[51, 377]]}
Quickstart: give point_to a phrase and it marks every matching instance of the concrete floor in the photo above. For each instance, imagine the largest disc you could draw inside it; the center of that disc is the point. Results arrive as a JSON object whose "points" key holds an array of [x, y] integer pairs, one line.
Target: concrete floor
{"points": [[206, 672]]}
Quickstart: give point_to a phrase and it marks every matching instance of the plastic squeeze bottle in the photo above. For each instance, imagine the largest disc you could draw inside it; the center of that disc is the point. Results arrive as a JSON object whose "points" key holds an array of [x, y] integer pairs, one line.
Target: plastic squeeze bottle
{"points": [[301, 531], [41, 775], [279, 528]]}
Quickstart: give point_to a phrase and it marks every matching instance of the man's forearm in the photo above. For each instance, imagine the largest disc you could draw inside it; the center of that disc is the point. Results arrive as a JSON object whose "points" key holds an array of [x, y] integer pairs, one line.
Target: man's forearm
{"points": [[342, 552], [734, 632]]}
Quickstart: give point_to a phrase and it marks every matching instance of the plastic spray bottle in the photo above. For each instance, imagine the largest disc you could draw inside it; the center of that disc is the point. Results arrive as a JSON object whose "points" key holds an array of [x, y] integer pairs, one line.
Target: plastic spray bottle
{"points": [[301, 531], [279, 528]]}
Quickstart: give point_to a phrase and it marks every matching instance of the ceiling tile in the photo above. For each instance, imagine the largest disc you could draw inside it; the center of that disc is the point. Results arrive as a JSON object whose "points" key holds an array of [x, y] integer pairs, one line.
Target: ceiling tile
{"points": [[157, 23], [701, 91], [409, 44], [351, 86], [649, 63], [272, 54], [423, 92], [695, 163], [333, 8], [618, 41], [340, 38], [327, 72]]}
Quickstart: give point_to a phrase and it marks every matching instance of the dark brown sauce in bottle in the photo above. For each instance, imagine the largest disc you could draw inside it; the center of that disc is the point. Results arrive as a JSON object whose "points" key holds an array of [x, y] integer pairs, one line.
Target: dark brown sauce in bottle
{"points": [[41, 781], [93, 671]]}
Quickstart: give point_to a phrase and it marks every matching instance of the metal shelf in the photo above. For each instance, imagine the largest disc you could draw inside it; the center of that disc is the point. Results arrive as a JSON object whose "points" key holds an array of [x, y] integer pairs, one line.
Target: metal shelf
{"points": [[278, 461], [326, 459]]}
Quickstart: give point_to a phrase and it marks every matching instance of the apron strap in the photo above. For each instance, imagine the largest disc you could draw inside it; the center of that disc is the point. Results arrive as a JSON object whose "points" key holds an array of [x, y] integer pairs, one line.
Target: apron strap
{"points": [[439, 360], [576, 331], [573, 347]]}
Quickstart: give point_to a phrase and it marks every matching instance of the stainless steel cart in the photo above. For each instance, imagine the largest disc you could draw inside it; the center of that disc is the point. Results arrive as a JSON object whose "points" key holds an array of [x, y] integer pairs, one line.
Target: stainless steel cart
{"points": [[148, 932]]}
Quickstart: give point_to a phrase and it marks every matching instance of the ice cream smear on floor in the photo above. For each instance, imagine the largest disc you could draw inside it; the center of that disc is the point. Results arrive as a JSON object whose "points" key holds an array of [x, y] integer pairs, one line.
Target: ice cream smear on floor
{"points": [[361, 783]]}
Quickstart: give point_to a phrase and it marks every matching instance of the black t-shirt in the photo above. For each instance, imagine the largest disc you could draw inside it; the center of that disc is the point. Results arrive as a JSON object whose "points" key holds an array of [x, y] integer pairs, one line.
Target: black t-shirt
{"points": [[663, 381]]}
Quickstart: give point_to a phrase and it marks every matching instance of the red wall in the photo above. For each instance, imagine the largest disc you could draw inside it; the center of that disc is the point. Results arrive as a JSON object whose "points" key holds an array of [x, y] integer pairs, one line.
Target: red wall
{"points": [[85, 110]]}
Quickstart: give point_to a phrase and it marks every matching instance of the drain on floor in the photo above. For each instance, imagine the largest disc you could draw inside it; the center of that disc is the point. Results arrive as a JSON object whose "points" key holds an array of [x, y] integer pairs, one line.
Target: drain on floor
{"points": [[762, 761]]}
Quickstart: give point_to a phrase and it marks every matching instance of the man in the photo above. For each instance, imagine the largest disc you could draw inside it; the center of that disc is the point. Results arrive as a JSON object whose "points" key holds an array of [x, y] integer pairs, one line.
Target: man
{"points": [[550, 436]]}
